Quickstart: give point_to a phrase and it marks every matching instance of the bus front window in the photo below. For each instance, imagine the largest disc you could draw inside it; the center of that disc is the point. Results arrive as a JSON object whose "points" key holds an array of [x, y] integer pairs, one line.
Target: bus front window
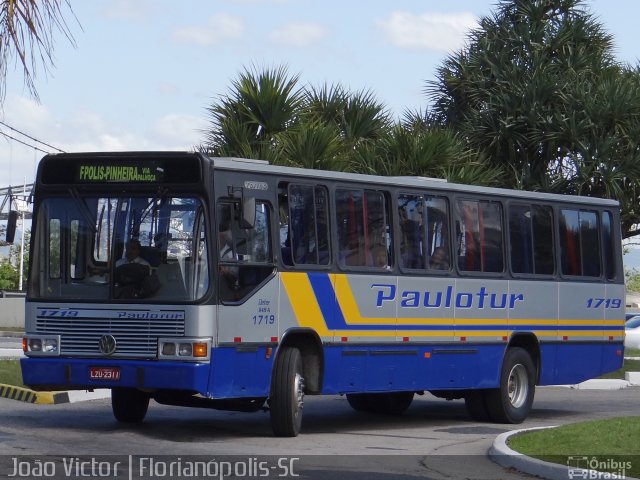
{"points": [[80, 249]]}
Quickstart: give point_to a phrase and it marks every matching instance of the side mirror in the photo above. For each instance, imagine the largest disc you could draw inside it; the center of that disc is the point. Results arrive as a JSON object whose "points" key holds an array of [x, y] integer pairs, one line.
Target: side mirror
{"points": [[12, 221], [248, 212]]}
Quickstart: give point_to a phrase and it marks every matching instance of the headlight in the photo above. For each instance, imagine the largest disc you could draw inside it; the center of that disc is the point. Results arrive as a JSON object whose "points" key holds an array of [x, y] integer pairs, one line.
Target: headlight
{"points": [[186, 350], [40, 345], [50, 345], [194, 349]]}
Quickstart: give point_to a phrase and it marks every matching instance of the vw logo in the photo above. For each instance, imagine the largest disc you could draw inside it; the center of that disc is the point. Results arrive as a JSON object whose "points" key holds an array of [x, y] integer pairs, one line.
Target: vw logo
{"points": [[107, 344]]}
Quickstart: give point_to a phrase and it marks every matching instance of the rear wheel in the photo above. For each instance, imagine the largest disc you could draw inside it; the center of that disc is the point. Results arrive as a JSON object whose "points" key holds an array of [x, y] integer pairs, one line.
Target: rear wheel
{"points": [[511, 403], [287, 393], [129, 405], [476, 405]]}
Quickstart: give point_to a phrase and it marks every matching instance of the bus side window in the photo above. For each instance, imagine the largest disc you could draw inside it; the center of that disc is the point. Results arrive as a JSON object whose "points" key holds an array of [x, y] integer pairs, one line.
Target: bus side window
{"points": [[608, 246], [424, 226], [412, 242], [304, 225], [531, 239], [244, 258], [579, 243], [479, 225], [363, 228]]}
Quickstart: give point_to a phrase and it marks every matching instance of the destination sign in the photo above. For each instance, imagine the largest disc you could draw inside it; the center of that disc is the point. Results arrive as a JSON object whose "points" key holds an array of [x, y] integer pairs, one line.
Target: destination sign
{"points": [[144, 172]]}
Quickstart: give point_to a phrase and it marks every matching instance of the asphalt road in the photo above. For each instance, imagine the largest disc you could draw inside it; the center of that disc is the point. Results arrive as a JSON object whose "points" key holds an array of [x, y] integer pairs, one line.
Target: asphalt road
{"points": [[435, 439]]}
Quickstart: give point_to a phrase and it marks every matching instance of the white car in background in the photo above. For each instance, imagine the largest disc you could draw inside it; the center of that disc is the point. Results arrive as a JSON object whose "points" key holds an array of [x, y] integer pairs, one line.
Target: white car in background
{"points": [[632, 333]]}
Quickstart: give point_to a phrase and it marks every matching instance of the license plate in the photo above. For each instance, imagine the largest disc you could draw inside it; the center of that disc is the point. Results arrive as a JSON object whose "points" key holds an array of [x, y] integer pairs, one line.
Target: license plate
{"points": [[104, 373]]}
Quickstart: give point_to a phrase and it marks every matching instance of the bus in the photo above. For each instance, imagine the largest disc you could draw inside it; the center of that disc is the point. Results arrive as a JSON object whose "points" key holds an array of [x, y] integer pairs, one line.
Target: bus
{"points": [[237, 285]]}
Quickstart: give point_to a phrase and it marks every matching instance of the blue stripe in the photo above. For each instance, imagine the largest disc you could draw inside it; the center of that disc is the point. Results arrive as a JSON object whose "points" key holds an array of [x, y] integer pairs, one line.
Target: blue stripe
{"points": [[334, 317]]}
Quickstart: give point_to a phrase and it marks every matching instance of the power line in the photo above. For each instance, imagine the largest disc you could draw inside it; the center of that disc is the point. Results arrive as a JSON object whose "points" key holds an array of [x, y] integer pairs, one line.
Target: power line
{"points": [[30, 138], [23, 143]]}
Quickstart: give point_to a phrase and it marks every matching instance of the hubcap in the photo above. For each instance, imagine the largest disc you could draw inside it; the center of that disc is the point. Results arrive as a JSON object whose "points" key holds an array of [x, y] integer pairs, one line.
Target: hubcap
{"points": [[298, 386], [518, 385]]}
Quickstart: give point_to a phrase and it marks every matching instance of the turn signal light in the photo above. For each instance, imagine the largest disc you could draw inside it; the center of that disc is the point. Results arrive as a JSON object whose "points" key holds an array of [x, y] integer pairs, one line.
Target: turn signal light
{"points": [[200, 350]]}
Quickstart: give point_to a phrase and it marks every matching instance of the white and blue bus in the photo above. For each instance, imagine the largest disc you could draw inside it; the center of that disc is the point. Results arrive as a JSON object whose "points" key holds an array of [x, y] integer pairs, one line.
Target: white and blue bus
{"points": [[233, 284]]}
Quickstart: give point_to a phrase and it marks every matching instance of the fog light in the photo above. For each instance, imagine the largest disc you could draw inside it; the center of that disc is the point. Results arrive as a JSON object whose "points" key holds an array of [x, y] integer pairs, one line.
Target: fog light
{"points": [[35, 345], [169, 349], [200, 350], [50, 345], [185, 350]]}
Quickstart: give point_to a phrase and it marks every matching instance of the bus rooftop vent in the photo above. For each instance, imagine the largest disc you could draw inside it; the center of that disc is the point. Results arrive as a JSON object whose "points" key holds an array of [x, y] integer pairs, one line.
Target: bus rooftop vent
{"points": [[250, 160], [424, 179]]}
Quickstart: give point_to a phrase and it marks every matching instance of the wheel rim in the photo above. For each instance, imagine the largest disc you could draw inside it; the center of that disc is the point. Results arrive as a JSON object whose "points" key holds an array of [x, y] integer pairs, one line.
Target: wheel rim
{"points": [[298, 392], [518, 385]]}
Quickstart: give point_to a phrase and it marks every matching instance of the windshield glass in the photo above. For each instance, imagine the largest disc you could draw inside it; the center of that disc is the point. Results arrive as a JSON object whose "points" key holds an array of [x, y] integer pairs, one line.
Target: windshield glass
{"points": [[120, 248]]}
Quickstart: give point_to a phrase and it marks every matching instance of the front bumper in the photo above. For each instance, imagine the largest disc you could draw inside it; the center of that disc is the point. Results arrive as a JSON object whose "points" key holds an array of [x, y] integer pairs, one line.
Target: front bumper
{"points": [[73, 374]]}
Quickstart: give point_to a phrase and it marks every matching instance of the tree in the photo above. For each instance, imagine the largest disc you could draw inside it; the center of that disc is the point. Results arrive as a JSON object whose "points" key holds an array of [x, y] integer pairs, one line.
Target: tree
{"points": [[8, 276], [538, 92], [14, 258], [267, 115], [27, 29]]}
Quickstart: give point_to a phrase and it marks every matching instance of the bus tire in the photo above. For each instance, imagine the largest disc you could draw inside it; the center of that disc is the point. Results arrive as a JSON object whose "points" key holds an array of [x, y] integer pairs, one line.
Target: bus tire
{"points": [[476, 405], [359, 402], [395, 403], [287, 393], [511, 402], [391, 403], [129, 405]]}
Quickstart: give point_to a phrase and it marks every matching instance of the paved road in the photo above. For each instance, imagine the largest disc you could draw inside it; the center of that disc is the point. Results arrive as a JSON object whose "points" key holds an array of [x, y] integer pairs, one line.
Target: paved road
{"points": [[434, 440]]}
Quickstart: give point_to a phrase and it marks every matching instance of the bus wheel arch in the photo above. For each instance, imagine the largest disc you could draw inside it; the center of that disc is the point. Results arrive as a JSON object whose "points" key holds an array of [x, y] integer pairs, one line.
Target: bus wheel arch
{"points": [[529, 342], [310, 346]]}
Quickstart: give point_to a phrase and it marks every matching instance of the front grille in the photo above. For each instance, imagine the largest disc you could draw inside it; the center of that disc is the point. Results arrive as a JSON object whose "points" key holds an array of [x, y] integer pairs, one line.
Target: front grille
{"points": [[135, 338]]}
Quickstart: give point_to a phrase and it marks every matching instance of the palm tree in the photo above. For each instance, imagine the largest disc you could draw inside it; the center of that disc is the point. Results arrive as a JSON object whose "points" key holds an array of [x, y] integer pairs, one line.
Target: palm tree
{"points": [[27, 29], [267, 115]]}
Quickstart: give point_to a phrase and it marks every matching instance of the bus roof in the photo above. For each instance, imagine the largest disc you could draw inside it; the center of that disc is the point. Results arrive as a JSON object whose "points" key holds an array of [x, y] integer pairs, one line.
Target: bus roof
{"points": [[436, 184]]}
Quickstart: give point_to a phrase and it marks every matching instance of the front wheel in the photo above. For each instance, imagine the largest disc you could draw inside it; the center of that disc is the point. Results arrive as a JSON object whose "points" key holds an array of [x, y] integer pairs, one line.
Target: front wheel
{"points": [[287, 393], [129, 405], [511, 403]]}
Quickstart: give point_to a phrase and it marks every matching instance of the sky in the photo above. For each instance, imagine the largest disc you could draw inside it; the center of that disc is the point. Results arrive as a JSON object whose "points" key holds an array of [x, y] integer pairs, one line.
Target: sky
{"points": [[143, 72]]}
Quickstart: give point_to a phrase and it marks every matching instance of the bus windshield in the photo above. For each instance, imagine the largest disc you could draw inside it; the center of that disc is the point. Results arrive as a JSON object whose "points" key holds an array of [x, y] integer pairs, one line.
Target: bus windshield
{"points": [[120, 248]]}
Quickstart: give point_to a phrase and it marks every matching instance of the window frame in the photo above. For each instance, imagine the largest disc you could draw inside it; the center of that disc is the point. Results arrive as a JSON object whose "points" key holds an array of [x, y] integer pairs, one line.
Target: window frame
{"points": [[465, 197], [559, 256], [389, 223], [424, 194], [287, 183], [554, 240]]}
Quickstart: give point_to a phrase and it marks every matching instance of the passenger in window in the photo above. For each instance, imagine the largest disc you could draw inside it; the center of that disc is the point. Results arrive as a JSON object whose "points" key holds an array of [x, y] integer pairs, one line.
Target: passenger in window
{"points": [[380, 257], [133, 278], [132, 254], [439, 259]]}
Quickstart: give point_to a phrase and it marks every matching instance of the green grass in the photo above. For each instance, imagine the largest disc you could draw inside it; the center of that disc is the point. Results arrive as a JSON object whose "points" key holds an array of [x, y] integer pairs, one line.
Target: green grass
{"points": [[11, 329], [632, 352], [607, 440], [10, 373]]}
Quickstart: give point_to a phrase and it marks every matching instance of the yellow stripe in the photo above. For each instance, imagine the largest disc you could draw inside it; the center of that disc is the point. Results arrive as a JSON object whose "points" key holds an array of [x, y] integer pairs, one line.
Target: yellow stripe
{"points": [[308, 314], [304, 303]]}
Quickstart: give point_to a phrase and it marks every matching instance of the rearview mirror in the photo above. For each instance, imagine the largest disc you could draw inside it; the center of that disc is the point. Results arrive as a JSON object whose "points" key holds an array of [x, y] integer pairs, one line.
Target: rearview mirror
{"points": [[248, 212], [11, 226]]}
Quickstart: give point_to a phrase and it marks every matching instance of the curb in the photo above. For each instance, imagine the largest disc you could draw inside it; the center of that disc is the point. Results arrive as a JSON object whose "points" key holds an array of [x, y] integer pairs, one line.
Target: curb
{"points": [[22, 394], [8, 334], [501, 454]]}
